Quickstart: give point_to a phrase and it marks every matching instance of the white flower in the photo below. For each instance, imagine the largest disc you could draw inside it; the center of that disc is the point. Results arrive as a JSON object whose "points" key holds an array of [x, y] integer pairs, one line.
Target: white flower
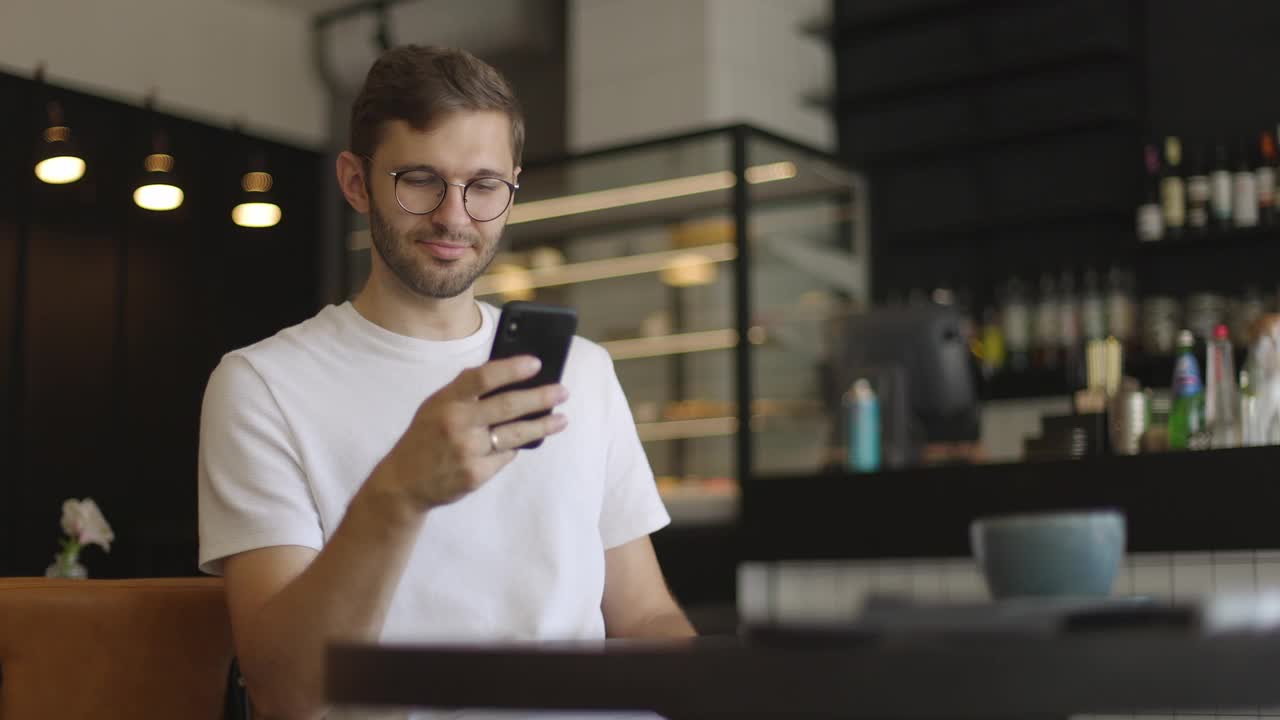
{"points": [[82, 521]]}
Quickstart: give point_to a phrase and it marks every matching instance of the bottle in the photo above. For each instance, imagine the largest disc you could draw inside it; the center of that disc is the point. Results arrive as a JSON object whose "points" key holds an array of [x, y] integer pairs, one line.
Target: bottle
{"points": [[862, 413], [1186, 417], [1015, 320], [1047, 336], [1244, 201], [1275, 196], [1150, 220], [1220, 189], [1248, 399], [1197, 193], [1071, 349], [1261, 392], [1248, 311], [1266, 179], [1093, 308], [992, 342], [1173, 199], [1222, 396], [1121, 308]]}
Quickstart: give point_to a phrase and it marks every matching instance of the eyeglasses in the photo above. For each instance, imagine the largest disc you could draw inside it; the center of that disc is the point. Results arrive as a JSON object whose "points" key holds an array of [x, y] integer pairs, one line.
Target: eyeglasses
{"points": [[421, 192]]}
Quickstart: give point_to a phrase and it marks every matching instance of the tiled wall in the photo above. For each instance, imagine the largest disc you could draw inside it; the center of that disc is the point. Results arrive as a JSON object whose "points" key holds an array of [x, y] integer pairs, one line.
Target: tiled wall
{"points": [[834, 590]]}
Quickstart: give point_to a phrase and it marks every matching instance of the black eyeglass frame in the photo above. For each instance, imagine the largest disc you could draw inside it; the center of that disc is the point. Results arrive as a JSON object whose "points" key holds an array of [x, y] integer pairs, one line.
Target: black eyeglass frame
{"points": [[395, 189]]}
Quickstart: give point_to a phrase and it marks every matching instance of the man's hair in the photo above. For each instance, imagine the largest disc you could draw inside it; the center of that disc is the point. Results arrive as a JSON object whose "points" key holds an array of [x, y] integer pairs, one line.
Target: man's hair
{"points": [[421, 85]]}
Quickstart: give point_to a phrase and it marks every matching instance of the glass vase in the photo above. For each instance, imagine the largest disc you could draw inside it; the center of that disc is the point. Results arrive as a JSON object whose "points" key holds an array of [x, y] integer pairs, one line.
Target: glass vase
{"points": [[64, 566]]}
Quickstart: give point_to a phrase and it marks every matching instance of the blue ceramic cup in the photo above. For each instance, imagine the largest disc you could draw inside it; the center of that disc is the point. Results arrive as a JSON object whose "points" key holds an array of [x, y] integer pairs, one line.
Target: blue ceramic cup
{"points": [[1068, 554]]}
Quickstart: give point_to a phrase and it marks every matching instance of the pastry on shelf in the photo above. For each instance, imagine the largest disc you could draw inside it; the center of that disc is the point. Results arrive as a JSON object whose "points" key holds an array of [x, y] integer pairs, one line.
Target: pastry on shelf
{"points": [[645, 412], [656, 324], [705, 231], [545, 257], [668, 483], [697, 409]]}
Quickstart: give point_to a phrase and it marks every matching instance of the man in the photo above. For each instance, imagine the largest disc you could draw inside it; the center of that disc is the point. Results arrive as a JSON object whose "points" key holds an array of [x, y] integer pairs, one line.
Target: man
{"points": [[353, 485]]}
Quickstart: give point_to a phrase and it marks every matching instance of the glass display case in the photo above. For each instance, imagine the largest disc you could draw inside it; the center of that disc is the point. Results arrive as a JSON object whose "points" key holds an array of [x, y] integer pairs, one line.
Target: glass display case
{"points": [[709, 266]]}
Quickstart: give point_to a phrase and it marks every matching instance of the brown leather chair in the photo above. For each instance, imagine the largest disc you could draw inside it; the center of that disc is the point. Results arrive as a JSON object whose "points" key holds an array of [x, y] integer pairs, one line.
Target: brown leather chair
{"points": [[147, 648]]}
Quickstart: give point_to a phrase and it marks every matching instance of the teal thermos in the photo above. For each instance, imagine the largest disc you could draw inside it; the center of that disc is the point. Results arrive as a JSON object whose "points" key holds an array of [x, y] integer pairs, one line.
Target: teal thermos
{"points": [[862, 418]]}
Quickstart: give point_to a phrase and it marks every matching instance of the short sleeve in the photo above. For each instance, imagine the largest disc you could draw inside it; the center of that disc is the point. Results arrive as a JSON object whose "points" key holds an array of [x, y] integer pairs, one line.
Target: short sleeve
{"points": [[632, 506], [253, 492]]}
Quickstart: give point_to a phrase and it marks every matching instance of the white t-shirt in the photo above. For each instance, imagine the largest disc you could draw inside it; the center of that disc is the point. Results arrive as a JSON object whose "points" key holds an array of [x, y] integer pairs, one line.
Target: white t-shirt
{"points": [[293, 425]]}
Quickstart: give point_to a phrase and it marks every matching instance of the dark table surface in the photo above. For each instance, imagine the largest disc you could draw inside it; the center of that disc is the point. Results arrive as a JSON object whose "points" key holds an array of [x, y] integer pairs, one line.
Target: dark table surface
{"points": [[822, 675]]}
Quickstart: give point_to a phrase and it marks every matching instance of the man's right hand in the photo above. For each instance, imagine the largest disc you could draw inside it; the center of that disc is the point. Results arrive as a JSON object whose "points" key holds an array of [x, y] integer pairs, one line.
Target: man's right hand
{"points": [[448, 450]]}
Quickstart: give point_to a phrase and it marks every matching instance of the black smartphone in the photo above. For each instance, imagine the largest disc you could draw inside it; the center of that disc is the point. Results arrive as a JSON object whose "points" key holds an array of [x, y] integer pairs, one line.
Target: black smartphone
{"points": [[544, 331]]}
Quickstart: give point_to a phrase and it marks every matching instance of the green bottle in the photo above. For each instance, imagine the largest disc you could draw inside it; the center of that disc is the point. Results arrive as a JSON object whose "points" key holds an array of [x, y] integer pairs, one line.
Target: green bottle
{"points": [[1186, 418]]}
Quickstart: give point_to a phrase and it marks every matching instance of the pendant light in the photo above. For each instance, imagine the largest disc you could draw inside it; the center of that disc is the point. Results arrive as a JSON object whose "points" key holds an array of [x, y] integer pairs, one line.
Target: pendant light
{"points": [[158, 189], [256, 212], [257, 207], [58, 160]]}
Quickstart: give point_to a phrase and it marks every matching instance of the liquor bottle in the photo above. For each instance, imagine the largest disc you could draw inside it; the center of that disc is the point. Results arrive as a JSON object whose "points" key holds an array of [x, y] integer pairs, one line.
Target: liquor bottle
{"points": [[1266, 178], [1186, 417], [1015, 320], [1150, 220], [1173, 198], [1072, 349], [1197, 192], [1122, 308], [1220, 189], [1047, 336], [992, 343], [1275, 196], [1244, 201], [1093, 308]]}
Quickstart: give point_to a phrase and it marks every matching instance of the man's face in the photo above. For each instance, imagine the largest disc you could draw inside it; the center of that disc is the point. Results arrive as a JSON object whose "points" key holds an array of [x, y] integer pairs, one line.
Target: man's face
{"points": [[440, 254]]}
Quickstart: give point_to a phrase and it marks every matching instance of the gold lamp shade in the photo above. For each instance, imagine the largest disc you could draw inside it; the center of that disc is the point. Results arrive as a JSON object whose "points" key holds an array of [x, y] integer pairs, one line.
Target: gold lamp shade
{"points": [[256, 210], [58, 161], [158, 191]]}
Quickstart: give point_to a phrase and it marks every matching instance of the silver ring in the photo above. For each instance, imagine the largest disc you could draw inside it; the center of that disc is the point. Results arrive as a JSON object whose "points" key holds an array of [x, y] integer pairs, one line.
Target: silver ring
{"points": [[493, 442]]}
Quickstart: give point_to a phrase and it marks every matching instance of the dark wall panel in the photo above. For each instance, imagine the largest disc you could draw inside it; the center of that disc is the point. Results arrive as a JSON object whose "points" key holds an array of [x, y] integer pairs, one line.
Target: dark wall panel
{"points": [[127, 311], [167, 366], [12, 160], [1213, 66], [9, 456], [69, 414]]}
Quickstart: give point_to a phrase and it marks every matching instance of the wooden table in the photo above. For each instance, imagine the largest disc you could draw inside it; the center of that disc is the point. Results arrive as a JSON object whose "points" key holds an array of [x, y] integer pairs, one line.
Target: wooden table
{"points": [[1101, 672]]}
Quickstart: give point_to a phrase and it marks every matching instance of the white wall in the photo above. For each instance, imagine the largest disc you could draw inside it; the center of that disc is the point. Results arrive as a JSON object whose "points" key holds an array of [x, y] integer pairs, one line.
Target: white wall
{"points": [[636, 70], [641, 69], [485, 28], [763, 66], [215, 61]]}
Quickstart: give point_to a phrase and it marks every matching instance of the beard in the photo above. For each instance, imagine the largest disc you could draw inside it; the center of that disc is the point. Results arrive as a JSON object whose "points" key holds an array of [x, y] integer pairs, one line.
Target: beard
{"points": [[426, 275]]}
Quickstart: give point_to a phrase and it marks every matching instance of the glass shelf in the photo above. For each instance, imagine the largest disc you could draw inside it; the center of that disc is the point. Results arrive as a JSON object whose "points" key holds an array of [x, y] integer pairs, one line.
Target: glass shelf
{"points": [[509, 278], [710, 294], [667, 345], [698, 419], [687, 429]]}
